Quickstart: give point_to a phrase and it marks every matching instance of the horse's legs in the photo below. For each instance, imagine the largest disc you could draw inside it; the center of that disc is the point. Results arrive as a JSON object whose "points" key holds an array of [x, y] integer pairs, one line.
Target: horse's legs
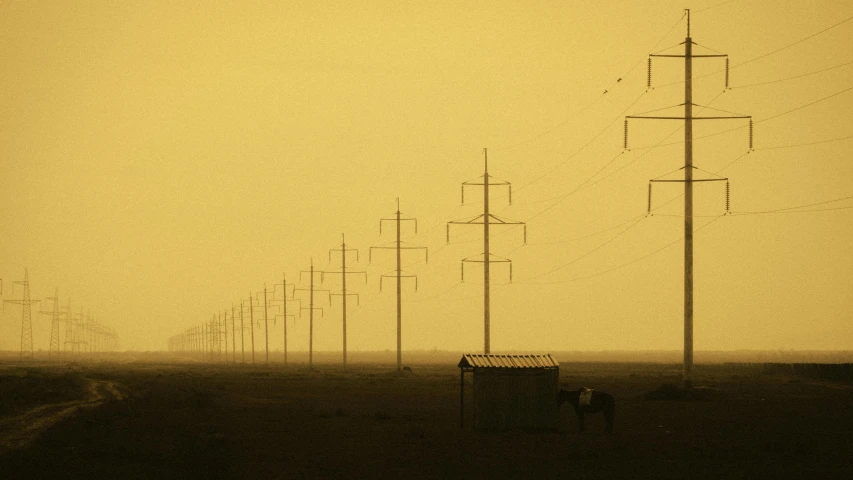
{"points": [[609, 414], [580, 419]]}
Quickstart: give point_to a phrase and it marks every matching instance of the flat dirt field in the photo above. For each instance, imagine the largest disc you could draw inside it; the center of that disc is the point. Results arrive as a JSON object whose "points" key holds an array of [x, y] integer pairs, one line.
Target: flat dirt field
{"points": [[193, 420]]}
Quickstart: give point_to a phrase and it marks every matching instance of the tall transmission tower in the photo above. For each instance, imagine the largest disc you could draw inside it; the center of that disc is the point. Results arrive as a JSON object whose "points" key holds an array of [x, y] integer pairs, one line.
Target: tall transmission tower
{"points": [[266, 326], [55, 326], [26, 317], [233, 338], [205, 342], [311, 308], [225, 331], [398, 273], [69, 330], [486, 219], [68, 325], [343, 273], [198, 334], [242, 334], [211, 338], [688, 180], [219, 334], [82, 332], [252, 325], [284, 301]]}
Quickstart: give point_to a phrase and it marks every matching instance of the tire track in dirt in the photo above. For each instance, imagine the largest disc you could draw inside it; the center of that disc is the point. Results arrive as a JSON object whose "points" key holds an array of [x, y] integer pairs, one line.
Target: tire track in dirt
{"points": [[21, 430]]}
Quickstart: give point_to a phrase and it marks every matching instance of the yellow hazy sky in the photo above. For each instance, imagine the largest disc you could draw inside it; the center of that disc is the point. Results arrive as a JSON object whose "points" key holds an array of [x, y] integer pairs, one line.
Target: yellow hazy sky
{"points": [[163, 159]]}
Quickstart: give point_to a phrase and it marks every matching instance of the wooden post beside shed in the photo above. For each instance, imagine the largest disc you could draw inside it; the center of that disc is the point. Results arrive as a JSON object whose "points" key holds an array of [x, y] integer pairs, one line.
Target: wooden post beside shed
{"points": [[511, 391]]}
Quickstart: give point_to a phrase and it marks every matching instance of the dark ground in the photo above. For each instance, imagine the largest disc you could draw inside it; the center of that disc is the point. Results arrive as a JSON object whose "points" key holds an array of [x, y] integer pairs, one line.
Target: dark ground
{"points": [[185, 420]]}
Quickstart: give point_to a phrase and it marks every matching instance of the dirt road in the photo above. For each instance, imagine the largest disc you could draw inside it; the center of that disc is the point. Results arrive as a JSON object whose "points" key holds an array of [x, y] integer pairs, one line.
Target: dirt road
{"points": [[21, 430]]}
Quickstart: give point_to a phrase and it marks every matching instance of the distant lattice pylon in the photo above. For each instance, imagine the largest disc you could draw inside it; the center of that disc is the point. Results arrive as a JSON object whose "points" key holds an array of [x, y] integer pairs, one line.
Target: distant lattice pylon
{"points": [[26, 317], [54, 325]]}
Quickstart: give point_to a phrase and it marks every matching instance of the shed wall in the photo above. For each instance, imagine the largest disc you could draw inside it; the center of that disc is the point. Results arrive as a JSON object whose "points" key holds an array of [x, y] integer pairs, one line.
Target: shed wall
{"points": [[515, 398]]}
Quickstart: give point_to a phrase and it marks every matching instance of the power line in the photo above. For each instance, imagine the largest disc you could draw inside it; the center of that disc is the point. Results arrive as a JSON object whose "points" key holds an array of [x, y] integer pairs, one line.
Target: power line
{"points": [[590, 252], [793, 211], [583, 237], [435, 297], [793, 44], [793, 77], [807, 144], [578, 151], [778, 210], [678, 240], [714, 6], [802, 106], [599, 97], [586, 184], [756, 121]]}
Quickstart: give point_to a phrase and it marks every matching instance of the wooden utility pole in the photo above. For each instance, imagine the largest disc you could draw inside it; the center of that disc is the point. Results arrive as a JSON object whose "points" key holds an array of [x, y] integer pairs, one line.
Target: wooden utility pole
{"points": [[486, 219], [398, 273], [688, 180], [284, 301], [225, 328], [252, 325], [233, 338], [311, 309], [242, 334], [266, 326], [343, 273]]}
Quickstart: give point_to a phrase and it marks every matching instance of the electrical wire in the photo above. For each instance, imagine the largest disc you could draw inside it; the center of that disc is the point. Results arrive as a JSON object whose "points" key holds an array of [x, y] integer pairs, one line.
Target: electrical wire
{"points": [[714, 6], [575, 239], [804, 106], [792, 44], [795, 209], [755, 122], [578, 151], [590, 252], [603, 272], [589, 105], [806, 144], [618, 117], [794, 77], [792, 211]]}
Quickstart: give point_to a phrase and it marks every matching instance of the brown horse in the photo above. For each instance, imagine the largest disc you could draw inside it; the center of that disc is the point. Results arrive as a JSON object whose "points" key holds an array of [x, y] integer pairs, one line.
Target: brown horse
{"points": [[597, 402]]}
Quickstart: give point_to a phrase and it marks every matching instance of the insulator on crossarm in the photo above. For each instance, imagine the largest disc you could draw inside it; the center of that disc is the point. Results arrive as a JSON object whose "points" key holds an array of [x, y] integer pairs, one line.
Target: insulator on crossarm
{"points": [[727, 73], [649, 74], [727, 196], [626, 134], [649, 211], [750, 134]]}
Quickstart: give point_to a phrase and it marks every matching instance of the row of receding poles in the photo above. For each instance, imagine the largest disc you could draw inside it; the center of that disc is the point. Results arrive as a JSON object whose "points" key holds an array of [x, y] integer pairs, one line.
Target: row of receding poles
{"points": [[204, 341], [188, 341], [83, 333]]}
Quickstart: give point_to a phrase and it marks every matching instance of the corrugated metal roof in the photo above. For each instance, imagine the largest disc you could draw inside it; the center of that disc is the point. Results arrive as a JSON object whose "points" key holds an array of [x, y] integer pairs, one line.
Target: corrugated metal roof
{"points": [[471, 360]]}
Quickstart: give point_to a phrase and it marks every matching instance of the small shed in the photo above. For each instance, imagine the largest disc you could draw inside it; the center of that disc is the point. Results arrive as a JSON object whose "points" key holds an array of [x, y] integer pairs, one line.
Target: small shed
{"points": [[511, 391]]}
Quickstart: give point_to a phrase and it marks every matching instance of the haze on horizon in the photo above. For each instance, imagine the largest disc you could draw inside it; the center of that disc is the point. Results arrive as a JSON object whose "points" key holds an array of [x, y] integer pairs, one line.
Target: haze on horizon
{"points": [[162, 160]]}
